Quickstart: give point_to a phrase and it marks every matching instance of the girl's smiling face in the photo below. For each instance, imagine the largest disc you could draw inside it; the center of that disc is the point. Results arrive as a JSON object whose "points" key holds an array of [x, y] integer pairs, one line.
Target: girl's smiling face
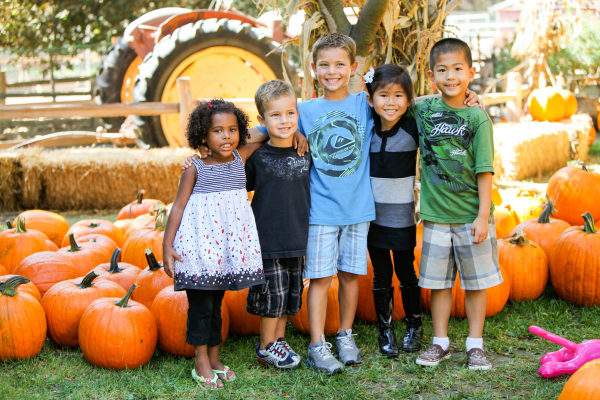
{"points": [[223, 135], [390, 103]]}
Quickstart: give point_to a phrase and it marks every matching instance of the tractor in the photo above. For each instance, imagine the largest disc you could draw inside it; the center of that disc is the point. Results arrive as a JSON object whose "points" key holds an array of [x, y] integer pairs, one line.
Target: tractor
{"points": [[224, 52]]}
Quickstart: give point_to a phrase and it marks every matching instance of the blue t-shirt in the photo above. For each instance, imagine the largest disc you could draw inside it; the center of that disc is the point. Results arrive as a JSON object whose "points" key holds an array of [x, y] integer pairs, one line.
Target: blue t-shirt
{"points": [[339, 136]]}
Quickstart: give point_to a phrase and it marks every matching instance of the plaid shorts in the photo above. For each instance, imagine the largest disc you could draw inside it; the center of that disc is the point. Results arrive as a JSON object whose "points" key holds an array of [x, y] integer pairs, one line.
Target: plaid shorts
{"points": [[282, 292], [448, 248], [333, 248]]}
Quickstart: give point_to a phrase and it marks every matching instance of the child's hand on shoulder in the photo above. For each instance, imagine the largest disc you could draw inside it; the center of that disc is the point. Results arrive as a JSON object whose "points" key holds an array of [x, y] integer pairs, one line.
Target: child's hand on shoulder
{"points": [[188, 161], [479, 229], [473, 99], [169, 254], [300, 143]]}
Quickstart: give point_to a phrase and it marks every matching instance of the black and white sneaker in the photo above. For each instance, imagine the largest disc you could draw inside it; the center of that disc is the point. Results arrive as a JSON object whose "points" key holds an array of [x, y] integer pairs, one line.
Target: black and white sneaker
{"points": [[274, 354]]}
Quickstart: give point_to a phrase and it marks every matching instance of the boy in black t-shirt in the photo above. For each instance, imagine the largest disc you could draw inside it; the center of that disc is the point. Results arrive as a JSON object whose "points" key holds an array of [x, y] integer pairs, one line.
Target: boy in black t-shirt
{"points": [[281, 205]]}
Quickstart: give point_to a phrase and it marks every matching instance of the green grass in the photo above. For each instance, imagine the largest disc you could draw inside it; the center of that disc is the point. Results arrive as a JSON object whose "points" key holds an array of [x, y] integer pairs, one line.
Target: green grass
{"points": [[63, 373]]}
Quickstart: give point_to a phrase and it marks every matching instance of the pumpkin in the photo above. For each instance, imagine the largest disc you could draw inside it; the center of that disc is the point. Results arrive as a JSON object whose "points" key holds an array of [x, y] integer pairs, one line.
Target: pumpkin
{"points": [[591, 135], [117, 333], [543, 230], [85, 256], [365, 310], [123, 225], [51, 246], [151, 281], [526, 265], [3, 271], [575, 191], [332, 321], [101, 240], [170, 309], [119, 272], [139, 206], [28, 287], [584, 384], [575, 264], [45, 269], [528, 204], [66, 301], [546, 104], [241, 322], [18, 243], [570, 103], [497, 297], [94, 226], [149, 237], [140, 222], [53, 225], [505, 220], [496, 197], [22, 320]]}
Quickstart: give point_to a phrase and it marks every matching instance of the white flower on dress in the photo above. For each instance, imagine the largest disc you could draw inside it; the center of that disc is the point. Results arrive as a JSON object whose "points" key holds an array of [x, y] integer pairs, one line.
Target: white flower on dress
{"points": [[368, 77]]}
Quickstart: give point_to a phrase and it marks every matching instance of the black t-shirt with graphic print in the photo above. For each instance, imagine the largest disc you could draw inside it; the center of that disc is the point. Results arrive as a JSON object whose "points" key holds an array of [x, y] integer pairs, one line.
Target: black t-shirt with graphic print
{"points": [[280, 179]]}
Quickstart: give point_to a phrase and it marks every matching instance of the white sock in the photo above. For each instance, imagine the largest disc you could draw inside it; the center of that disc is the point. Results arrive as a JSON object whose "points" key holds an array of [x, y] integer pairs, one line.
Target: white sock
{"points": [[443, 342], [474, 343]]}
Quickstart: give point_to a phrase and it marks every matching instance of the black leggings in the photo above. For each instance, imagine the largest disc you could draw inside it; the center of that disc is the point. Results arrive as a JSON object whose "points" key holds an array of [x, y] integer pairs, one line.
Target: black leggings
{"points": [[383, 269], [204, 317]]}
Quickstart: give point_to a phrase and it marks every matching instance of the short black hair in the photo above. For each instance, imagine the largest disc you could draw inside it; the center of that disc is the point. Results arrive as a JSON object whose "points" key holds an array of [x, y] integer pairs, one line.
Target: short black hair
{"points": [[390, 74], [201, 118], [450, 45]]}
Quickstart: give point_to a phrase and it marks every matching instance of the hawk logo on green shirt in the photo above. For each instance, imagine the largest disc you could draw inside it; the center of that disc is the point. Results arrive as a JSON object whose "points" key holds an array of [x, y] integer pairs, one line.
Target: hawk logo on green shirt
{"points": [[336, 143]]}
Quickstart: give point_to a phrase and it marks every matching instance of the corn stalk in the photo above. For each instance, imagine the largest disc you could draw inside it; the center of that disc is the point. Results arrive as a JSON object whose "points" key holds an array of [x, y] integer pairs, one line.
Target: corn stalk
{"points": [[387, 31]]}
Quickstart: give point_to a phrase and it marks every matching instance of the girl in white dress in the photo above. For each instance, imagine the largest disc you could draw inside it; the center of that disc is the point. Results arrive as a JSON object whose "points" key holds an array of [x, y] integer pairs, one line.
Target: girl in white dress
{"points": [[211, 243]]}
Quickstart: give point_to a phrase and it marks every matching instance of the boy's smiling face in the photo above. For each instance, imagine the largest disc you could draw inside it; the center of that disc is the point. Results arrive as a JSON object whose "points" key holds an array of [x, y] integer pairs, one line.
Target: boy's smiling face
{"points": [[333, 71], [452, 74], [280, 118]]}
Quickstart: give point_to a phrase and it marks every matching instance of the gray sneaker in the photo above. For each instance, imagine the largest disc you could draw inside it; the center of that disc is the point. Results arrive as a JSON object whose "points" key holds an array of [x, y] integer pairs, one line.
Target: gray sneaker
{"points": [[347, 351], [321, 359]]}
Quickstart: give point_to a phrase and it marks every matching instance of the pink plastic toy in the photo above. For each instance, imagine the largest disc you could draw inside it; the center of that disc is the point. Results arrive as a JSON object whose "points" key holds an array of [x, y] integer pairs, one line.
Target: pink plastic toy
{"points": [[568, 359]]}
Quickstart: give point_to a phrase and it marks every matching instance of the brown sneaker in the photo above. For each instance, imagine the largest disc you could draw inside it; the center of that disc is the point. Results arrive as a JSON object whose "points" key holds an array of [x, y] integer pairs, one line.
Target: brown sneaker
{"points": [[478, 360], [433, 355]]}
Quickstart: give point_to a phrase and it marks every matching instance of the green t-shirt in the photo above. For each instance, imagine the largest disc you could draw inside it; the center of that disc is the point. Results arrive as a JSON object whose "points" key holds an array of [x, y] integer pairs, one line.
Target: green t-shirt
{"points": [[456, 144]]}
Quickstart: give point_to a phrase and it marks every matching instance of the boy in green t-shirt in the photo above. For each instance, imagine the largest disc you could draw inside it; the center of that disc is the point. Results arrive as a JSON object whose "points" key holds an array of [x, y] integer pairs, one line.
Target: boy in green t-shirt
{"points": [[457, 154]]}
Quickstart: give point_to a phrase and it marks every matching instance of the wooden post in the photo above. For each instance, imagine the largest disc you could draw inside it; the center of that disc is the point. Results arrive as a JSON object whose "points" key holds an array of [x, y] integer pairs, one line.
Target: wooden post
{"points": [[2, 87], [514, 107], [186, 105]]}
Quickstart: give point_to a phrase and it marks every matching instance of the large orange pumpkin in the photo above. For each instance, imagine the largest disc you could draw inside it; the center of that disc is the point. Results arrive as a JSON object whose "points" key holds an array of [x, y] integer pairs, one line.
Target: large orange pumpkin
{"points": [[575, 191], [18, 243], [151, 281], [170, 309], [241, 322], [528, 204], [101, 240], [22, 322], [592, 135], [45, 269], [497, 297], [94, 226], [53, 225], [28, 287], [66, 301], [546, 104], [332, 322], [543, 230], [496, 196], [143, 221], [505, 220], [144, 238], [139, 206], [584, 384], [119, 272], [117, 333], [51, 245], [85, 256], [575, 264], [526, 265], [570, 103], [3, 271], [123, 225]]}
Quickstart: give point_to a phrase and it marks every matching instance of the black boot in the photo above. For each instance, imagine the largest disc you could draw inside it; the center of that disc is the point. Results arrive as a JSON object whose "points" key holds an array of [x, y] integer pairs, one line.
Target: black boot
{"points": [[384, 307], [411, 300]]}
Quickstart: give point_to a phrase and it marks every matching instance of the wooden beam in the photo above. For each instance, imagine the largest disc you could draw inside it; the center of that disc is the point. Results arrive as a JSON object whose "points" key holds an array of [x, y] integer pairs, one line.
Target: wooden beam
{"points": [[496, 98], [74, 138], [514, 81], [57, 110], [186, 105]]}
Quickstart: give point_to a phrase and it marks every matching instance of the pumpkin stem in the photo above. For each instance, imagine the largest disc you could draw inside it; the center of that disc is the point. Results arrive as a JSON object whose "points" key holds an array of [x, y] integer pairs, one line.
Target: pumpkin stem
{"points": [[161, 220], [549, 209], [155, 209], [153, 264], [9, 224], [88, 280], [589, 223], [140, 197], [123, 302], [114, 262], [20, 228], [74, 246], [93, 225], [520, 239], [9, 287]]}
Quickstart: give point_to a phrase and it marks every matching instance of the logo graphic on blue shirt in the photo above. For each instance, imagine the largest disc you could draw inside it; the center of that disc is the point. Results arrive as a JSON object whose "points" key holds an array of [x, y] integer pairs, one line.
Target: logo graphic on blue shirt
{"points": [[336, 142]]}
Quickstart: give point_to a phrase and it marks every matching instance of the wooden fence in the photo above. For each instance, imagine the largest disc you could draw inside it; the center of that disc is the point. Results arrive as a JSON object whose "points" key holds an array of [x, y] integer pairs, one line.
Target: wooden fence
{"points": [[52, 82]]}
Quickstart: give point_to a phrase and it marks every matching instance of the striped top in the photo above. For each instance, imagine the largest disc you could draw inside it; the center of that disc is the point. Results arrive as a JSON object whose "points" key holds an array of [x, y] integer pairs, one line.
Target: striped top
{"points": [[220, 177], [393, 157]]}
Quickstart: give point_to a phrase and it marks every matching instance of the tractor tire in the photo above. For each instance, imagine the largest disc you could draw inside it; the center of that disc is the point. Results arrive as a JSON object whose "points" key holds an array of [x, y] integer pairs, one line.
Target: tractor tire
{"points": [[186, 43], [110, 77]]}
